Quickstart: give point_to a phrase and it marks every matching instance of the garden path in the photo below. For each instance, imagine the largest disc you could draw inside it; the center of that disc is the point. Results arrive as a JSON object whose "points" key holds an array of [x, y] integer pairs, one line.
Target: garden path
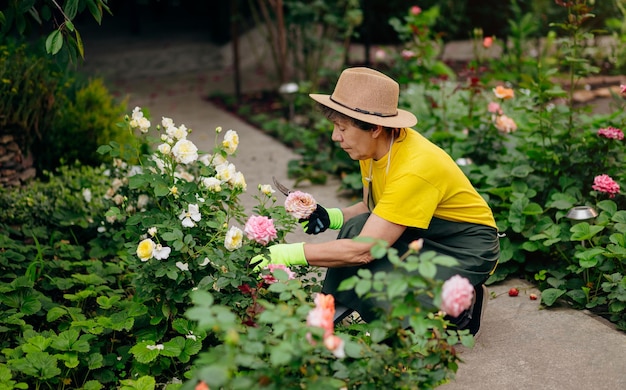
{"points": [[522, 346]]}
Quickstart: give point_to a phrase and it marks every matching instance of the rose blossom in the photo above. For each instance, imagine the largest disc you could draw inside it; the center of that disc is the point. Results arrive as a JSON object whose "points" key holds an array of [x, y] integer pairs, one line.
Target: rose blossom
{"points": [[456, 295], [336, 345], [161, 252], [415, 10], [185, 151], [270, 279], [494, 108], [487, 42], [145, 249], [231, 141], [604, 183], [503, 93], [407, 54], [505, 124], [611, 133], [233, 239], [622, 89], [300, 204], [322, 315], [260, 229]]}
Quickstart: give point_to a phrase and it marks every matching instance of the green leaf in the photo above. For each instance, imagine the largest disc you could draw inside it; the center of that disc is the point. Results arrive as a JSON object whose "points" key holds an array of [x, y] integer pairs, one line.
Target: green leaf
{"points": [[95, 361], [143, 383], [532, 209], [40, 365], [69, 341], [280, 355], [70, 359], [54, 42], [37, 344], [71, 8], [427, 270], [550, 295], [145, 351], [583, 231], [363, 287], [396, 288], [55, 313]]}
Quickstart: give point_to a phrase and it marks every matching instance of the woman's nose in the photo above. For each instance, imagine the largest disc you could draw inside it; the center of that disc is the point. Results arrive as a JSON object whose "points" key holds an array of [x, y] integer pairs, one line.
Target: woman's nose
{"points": [[335, 136]]}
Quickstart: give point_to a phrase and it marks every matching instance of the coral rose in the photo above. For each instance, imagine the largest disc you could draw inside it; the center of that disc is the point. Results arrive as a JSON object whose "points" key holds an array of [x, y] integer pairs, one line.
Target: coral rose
{"points": [[503, 93]]}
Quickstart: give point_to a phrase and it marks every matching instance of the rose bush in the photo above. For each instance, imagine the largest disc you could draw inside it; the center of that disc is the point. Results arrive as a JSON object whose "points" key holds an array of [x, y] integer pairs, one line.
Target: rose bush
{"points": [[167, 296]]}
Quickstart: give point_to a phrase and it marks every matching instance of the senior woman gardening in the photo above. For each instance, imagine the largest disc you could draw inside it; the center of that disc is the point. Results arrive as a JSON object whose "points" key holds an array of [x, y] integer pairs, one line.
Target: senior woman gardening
{"points": [[411, 189]]}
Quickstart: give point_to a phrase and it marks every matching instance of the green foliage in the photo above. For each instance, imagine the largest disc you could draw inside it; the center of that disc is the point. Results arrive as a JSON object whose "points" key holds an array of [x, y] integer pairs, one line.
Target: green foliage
{"points": [[539, 166], [28, 86], [282, 353], [83, 121], [22, 17], [53, 113], [118, 282]]}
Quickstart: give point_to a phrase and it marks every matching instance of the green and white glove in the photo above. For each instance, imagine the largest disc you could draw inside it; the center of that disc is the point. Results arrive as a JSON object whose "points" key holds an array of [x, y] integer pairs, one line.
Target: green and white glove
{"points": [[322, 219], [285, 254]]}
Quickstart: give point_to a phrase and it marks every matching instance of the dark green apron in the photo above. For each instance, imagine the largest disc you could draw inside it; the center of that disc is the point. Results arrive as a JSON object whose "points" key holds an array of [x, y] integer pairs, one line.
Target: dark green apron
{"points": [[476, 248]]}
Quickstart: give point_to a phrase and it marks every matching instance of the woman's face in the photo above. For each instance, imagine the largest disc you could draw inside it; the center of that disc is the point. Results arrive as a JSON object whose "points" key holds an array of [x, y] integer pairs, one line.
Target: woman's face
{"points": [[359, 144]]}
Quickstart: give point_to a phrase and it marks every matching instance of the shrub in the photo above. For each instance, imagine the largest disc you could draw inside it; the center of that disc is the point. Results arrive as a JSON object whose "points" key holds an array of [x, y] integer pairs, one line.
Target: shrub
{"points": [[84, 120]]}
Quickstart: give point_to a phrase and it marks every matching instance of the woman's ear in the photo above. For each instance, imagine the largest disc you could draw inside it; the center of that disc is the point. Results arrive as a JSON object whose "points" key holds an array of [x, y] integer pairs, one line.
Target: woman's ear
{"points": [[377, 131]]}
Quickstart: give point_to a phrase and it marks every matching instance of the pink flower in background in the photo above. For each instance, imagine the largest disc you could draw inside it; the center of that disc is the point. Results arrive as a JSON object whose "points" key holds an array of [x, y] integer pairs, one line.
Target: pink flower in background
{"points": [[456, 295], [270, 279], [505, 124], [487, 42], [260, 229], [322, 315], [407, 54], [494, 108], [611, 133], [336, 345], [622, 89], [604, 183], [415, 10], [300, 204]]}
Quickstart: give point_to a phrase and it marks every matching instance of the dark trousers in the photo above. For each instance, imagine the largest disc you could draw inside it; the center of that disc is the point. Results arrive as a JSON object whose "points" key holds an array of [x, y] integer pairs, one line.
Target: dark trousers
{"points": [[475, 247]]}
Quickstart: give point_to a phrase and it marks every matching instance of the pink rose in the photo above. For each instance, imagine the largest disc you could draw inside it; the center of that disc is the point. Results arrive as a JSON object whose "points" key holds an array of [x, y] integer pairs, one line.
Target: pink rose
{"points": [[487, 42], [604, 183], [494, 108], [415, 10], [611, 133], [270, 279], [300, 204], [456, 295], [407, 54], [622, 89], [260, 229]]}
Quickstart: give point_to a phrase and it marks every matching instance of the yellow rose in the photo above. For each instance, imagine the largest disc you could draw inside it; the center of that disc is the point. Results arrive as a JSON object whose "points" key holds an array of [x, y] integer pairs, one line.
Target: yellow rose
{"points": [[145, 249]]}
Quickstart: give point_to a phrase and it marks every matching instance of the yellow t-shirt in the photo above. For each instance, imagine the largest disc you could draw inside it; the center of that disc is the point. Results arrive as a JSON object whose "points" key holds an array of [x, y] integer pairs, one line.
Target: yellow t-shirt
{"points": [[420, 181]]}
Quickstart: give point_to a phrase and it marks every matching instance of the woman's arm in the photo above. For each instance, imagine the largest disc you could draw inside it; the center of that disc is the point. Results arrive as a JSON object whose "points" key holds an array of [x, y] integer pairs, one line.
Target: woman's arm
{"points": [[347, 252]]}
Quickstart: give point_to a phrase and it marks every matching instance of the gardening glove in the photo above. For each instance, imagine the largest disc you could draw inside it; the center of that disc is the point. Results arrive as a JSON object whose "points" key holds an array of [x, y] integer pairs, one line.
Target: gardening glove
{"points": [[322, 219], [285, 254]]}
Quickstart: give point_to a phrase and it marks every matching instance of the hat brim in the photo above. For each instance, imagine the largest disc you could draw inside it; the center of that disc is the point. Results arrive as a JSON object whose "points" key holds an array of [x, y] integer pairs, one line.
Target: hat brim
{"points": [[402, 119]]}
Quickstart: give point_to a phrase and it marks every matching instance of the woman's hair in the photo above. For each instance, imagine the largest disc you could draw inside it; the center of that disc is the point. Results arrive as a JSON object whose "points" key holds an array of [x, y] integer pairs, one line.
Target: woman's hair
{"points": [[331, 115]]}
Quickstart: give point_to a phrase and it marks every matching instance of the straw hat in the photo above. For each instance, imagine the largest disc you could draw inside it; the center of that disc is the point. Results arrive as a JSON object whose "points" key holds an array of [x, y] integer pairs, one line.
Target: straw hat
{"points": [[367, 95]]}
